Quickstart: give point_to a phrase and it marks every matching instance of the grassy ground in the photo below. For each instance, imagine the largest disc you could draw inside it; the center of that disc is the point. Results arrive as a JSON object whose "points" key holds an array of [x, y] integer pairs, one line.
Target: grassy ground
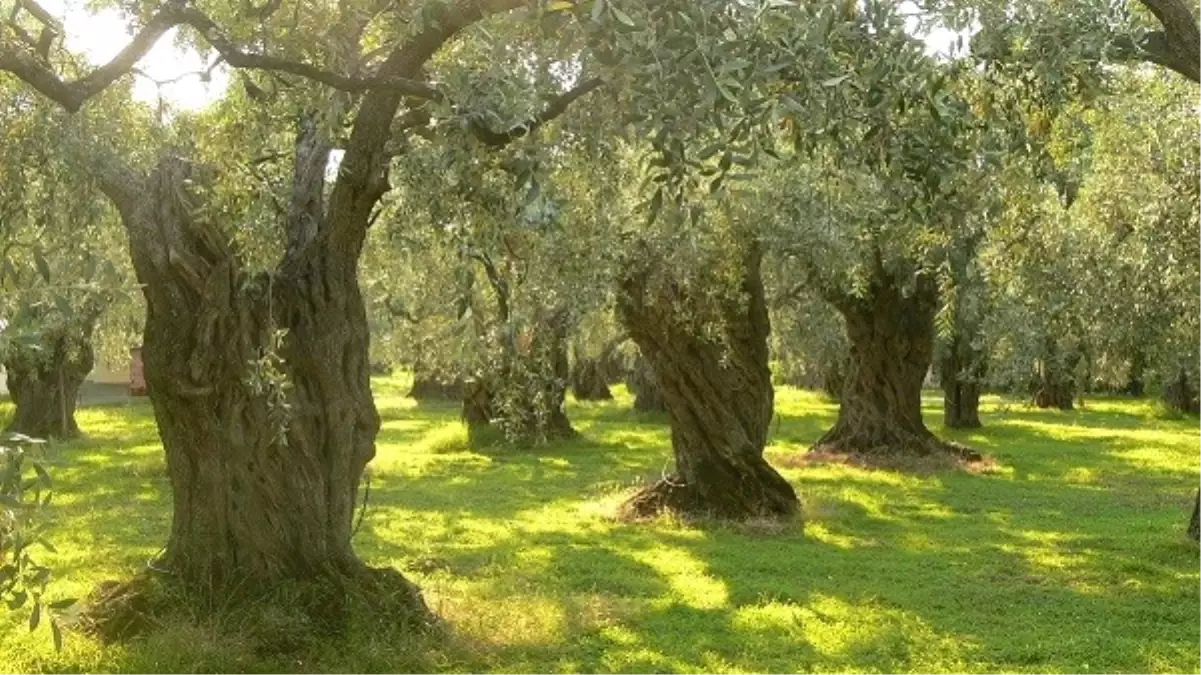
{"points": [[1069, 558]]}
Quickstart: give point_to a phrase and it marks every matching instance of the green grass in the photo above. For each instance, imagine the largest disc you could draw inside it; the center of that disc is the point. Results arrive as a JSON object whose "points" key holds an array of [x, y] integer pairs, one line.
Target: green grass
{"points": [[1069, 558]]}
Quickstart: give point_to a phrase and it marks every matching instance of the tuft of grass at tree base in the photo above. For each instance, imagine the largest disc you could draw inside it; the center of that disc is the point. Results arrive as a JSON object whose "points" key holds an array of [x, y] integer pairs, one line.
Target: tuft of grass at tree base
{"points": [[1068, 556]]}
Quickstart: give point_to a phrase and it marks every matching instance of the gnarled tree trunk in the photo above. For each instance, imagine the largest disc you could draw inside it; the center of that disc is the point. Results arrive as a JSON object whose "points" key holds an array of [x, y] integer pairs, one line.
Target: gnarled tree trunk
{"points": [[261, 391], [588, 381], [891, 336], [44, 382], [719, 400], [266, 440], [428, 386]]}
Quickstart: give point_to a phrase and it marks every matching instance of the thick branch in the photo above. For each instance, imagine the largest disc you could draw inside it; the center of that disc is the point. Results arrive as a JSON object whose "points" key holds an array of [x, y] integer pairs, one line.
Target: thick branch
{"points": [[362, 178], [72, 95], [555, 106], [1178, 45]]}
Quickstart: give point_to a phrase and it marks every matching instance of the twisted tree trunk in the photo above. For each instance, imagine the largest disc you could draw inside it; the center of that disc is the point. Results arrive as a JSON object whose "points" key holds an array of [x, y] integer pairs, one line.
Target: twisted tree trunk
{"points": [[43, 382], [590, 377], [265, 439], [719, 400], [1194, 523], [891, 337]]}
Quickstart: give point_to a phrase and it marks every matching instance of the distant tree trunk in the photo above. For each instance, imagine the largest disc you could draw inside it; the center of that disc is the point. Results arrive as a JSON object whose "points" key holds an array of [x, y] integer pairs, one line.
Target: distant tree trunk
{"points": [[892, 338], [961, 372], [44, 383], [1194, 523], [1135, 384], [644, 384], [833, 375], [719, 399], [477, 405], [429, 386], [1180, 395], [589, 379], [1055, 381], [548, 403], [527, 397]]}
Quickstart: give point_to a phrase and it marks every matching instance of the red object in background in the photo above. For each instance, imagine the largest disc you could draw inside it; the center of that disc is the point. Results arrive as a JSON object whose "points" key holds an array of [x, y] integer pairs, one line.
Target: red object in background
{"points": [[137, 379]]}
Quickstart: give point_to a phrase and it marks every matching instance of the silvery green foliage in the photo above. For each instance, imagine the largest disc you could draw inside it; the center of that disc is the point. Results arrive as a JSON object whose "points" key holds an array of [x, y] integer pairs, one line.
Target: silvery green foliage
{"points": [[25, 489]]}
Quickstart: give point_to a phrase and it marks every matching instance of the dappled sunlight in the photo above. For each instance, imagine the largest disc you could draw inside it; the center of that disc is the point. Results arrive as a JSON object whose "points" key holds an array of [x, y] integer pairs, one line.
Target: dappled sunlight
{"points": [[687, 577], [517, 548]]}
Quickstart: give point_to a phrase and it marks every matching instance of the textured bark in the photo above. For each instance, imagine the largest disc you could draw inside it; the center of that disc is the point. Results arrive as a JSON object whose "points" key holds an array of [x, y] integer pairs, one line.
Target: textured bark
{"points": [[892, 338], [719, 401], [263, 477], [834, 379], [644, 384], [44, 383], [265, 454], [961, 372]]}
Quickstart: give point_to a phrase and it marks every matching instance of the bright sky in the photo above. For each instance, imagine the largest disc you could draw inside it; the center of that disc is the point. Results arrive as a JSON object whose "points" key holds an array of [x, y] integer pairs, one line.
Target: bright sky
{"points": [[100, 35]]}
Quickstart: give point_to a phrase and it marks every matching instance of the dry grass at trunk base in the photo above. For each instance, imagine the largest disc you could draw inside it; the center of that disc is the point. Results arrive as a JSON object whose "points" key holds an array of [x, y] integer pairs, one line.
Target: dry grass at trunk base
{"points": [[671, 496], [923, 459], [286, 618]]}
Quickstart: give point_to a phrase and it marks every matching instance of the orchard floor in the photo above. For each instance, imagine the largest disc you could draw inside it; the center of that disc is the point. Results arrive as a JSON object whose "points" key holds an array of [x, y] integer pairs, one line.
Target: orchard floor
{"points": [[1070, 557]]}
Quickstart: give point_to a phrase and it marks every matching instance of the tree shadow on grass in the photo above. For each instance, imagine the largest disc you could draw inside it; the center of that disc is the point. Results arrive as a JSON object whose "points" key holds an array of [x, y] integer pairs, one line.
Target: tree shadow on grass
{"points": [[1051, 566]]}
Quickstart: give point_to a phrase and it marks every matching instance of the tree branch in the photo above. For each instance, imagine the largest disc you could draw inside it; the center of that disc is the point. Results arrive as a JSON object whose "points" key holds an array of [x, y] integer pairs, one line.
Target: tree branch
{"points": [[71, 95], [555, 106], [1178, 46]]}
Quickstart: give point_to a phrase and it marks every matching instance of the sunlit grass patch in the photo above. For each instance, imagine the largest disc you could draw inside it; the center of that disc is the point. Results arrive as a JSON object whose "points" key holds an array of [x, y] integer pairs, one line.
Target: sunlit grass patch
{"points": [[1069, 558]]}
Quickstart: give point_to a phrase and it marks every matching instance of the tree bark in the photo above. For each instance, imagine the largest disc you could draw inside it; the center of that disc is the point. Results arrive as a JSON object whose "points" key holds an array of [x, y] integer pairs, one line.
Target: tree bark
{"points": [[44, 383], [527, 397], [834, 378], [428, 386], [718, 398], [891, 335], [1135, 383]]}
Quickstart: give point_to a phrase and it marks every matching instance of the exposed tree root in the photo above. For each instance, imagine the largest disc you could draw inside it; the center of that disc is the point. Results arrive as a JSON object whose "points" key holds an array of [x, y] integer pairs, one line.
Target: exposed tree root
{"points": [[897, 450], [281, 617], [671, 496]]}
